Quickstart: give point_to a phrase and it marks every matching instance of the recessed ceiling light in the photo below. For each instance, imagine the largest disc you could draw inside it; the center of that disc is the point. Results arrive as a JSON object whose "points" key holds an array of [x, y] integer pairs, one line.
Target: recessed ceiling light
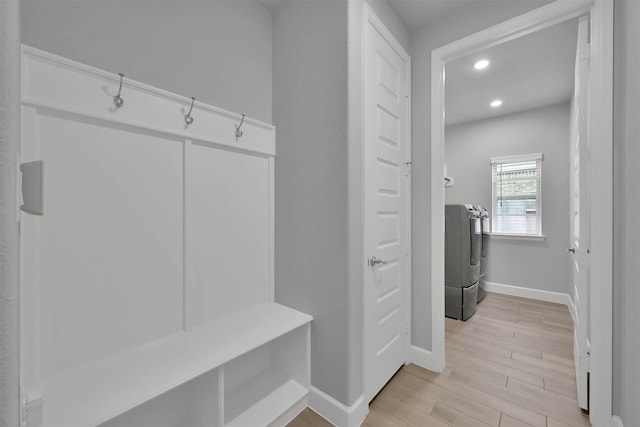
{"points": [[481, 65], [496, 103]]}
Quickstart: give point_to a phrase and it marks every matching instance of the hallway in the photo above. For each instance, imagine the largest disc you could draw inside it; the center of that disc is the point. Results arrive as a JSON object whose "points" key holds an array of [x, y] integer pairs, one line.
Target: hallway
{"points": [[511, 365]]}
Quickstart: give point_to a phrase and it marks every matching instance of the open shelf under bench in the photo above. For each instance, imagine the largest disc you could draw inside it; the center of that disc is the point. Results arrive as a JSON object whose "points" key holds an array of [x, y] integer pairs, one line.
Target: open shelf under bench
{"points": [[94, 393]]}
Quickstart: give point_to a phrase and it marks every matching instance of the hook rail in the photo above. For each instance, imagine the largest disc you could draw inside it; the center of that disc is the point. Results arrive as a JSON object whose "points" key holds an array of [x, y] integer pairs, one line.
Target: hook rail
{"points": [[238, 126], [188, 118], [118, 101]]}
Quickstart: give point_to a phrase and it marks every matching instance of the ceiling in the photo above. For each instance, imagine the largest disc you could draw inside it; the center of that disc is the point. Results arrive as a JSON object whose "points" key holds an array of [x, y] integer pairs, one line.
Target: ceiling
{"points": [[417, 13], [529, 72]]}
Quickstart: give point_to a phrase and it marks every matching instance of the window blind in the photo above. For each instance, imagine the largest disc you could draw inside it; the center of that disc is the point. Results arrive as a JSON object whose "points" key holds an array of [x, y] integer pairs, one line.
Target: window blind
{"points": [[516, 185]]}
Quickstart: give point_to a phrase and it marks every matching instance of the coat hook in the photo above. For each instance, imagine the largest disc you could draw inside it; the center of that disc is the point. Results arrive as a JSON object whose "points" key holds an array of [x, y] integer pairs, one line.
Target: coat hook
{"points": [[238, 131], [187, 118], [118, 100]]}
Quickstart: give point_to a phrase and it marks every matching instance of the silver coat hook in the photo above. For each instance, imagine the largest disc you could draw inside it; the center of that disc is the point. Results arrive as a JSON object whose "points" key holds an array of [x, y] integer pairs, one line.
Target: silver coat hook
{"points": [[118, 100], [187, 118], [238, 131]]}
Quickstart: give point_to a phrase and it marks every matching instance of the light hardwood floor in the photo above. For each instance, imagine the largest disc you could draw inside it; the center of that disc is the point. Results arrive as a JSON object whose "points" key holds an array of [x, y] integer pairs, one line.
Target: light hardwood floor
{"points": [[510, 365]]}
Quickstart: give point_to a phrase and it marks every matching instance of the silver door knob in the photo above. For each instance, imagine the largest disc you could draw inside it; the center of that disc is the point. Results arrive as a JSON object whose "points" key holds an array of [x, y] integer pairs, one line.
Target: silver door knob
{"points": [[572, 250], [373, 261]]}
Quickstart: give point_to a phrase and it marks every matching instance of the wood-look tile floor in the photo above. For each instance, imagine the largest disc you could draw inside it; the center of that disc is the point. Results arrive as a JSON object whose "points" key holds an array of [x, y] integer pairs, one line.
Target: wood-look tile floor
{"points": [[510, 365]]}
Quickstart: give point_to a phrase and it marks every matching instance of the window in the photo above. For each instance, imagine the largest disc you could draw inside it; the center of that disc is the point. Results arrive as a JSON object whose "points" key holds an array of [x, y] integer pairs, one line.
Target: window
{"points": [[515, 195]]}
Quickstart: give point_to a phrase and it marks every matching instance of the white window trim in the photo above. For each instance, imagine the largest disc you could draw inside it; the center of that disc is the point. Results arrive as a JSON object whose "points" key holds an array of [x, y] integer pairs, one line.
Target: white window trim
{"points": [[517, 159], [512, 236]]}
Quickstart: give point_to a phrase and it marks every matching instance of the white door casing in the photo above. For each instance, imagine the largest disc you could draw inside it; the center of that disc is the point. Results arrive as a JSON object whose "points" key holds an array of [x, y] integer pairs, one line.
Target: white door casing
{"points": [[580, 218], [387, 207], [600, 124]]}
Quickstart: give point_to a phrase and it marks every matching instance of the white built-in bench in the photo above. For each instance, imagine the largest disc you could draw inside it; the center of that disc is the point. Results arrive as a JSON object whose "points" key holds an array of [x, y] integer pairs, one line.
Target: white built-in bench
{"points": [[147, 283]]}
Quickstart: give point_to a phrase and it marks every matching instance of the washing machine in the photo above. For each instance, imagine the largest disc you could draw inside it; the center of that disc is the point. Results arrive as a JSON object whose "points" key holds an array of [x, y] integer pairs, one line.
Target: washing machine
{"points": [[463, 245]]}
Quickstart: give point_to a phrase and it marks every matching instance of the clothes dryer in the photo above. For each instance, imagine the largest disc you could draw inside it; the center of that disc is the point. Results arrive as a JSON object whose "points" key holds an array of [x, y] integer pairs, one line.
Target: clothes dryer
{"points": [[463, 245], [484, 251]]}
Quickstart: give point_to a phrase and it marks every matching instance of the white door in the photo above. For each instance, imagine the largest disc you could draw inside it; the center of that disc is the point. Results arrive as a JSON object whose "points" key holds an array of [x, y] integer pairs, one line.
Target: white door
{"points": [[580, 218], [387, 168]]}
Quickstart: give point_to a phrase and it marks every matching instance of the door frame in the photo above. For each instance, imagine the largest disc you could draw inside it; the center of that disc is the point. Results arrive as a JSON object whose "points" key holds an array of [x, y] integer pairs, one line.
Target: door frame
{"points": [[9, 212], [579, 260], [369, 17], [601, 134]]}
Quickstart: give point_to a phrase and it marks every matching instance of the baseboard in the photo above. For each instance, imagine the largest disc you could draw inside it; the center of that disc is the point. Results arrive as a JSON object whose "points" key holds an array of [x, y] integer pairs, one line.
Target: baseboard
{"points": [[572, 310], [519, 291], [290, 414], [616, 421], [424, 358], [335, 412]]}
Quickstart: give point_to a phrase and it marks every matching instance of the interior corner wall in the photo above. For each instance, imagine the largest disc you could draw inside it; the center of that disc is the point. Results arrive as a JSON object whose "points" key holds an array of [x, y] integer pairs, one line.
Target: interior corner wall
{"points": [[472, 19], [218, 51], [626, 198], [387, 15], [469, 148], [311, 178]]}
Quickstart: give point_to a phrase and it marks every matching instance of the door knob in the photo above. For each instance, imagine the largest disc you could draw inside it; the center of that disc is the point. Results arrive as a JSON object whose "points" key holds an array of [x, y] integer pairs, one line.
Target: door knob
{"points": [[572, 250], [373, 261]]}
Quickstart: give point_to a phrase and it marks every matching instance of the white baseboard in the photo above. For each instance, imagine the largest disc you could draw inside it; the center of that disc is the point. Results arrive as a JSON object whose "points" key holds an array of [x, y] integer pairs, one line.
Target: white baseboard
{"points": [[572, 310], [291, 413], [616, 421], [519, 291], [335, 412], [425, 359]]}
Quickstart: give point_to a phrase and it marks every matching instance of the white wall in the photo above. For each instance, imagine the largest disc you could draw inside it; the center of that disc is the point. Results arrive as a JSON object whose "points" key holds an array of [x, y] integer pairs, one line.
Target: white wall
{"points": [[473, 18], [626, 196], [310, 113], [469, 147], [218, 51]]}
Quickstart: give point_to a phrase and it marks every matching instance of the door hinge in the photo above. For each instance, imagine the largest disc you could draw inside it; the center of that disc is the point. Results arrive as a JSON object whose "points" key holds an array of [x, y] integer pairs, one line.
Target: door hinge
{"points": [[408, 166], [585, 51], [32, 409], [18, 188], [585, 362], [406, 91]]}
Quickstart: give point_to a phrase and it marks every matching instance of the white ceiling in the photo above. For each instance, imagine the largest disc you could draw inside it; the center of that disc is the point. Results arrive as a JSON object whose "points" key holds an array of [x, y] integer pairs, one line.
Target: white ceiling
{"points": [[530, 72], [418, 13], [526, 73]]}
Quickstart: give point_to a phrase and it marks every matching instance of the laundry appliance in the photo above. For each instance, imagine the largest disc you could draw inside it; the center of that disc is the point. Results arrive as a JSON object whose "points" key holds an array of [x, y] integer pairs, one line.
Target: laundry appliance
{"points": [[484, 251], [463, 245]]}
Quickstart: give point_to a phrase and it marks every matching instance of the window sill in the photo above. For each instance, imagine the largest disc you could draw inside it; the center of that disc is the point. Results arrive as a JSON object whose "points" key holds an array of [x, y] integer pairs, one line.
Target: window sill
{"points": [[539, 237]]}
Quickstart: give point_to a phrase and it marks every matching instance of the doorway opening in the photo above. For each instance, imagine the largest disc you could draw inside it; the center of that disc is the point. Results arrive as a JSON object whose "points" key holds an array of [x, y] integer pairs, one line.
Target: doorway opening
{"points": [[599, 130]]}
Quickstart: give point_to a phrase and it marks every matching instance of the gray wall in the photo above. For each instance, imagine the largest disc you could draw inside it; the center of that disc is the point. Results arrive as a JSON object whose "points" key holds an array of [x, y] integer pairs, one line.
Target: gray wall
{"points": [[468, 150], [626, 196], [317, 69], [473, 18], [218, 51], [9, 229], [310, 112]]}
